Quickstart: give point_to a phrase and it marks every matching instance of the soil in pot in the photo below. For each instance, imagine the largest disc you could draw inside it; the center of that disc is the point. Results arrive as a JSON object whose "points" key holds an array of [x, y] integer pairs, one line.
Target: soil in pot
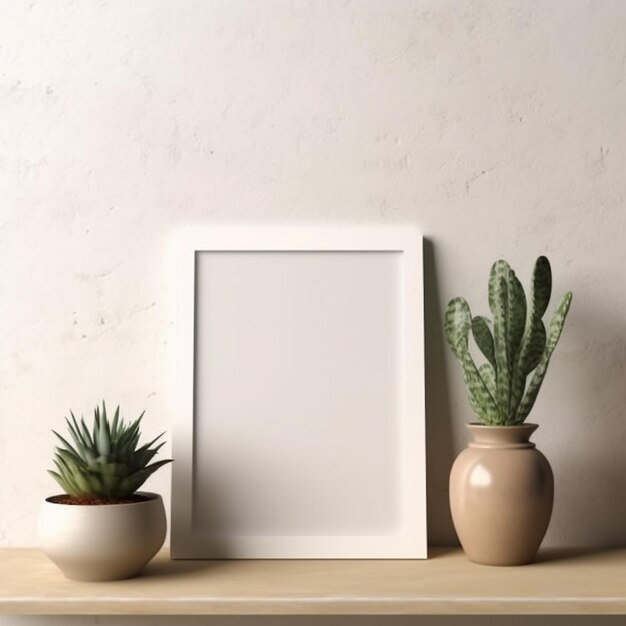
{"points": [[91, 500]]}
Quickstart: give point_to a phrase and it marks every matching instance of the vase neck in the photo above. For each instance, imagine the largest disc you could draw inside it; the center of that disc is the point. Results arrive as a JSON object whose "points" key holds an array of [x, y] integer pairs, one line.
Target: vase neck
{"points": [[501, 436]]}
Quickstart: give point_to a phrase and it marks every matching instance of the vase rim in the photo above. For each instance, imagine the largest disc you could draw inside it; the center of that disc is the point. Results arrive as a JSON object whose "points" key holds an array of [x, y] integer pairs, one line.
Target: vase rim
{"points": [[514, 436]]}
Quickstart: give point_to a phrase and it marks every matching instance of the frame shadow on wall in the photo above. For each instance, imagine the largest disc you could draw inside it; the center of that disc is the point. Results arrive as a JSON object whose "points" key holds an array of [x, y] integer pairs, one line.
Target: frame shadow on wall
{"points": [[440, 451], [590, 484]]}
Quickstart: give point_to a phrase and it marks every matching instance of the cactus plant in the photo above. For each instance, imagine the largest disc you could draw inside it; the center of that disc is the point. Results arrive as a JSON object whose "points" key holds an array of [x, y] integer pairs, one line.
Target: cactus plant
{"points": [[515, 345], [106, 462]]}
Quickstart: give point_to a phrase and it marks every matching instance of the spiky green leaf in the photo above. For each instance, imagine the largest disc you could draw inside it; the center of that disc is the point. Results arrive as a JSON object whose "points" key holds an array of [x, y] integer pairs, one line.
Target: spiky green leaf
{"points": [[116, 418], [68, 446], [134, 481], [108, 462], [104, 439], [65, 485], [85, 433]]}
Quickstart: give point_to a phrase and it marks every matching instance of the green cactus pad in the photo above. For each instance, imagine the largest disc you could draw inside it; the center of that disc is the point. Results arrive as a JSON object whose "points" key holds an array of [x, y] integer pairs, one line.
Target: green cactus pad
{"points": [[519, 345]]}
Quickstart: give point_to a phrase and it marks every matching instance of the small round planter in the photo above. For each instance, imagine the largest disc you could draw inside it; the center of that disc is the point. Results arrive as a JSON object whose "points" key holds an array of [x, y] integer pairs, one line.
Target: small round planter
{"points": [[501, 493], [105, 541]]}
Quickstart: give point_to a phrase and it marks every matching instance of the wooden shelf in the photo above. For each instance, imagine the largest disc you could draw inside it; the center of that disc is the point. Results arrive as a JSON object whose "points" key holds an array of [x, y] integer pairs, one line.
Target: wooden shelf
{"points": [[560, 582]]}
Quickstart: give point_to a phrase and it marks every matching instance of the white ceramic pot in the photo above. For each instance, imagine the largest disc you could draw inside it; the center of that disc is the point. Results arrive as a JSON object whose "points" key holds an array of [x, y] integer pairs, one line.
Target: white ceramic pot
{"points": [[104, 541]]}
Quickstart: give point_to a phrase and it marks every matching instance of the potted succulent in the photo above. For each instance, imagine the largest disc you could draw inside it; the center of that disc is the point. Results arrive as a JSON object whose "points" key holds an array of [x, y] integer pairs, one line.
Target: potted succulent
{"points": [[102, 528], [501, 486]]}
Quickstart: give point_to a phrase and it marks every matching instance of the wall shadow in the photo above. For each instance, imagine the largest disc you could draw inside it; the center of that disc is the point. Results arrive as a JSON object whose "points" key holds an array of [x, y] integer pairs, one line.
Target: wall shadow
{"points": [[170, 568], [440, 452], [574, 555], [590, 469]]}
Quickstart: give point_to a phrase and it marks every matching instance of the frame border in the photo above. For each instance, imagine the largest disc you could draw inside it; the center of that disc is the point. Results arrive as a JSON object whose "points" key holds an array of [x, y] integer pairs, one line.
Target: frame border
{"points": [[411, 540]]}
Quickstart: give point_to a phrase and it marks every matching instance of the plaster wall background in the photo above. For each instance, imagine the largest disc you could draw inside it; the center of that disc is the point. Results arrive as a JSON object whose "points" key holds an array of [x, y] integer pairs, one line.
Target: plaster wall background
{"points": [[498, 127]]}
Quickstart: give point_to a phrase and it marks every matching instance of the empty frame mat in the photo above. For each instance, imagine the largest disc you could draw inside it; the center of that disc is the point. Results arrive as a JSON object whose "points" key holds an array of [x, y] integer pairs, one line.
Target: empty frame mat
{"points": [[307, 406]]}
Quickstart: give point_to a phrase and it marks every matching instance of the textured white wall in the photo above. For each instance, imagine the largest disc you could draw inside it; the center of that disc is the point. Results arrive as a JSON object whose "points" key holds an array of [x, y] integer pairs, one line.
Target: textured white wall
{"points": [[496, 126]]}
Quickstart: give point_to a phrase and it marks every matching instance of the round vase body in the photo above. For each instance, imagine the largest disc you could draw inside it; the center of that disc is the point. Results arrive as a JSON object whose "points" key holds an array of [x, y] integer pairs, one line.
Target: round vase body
{"points": [[102, 541], [501, 494]]}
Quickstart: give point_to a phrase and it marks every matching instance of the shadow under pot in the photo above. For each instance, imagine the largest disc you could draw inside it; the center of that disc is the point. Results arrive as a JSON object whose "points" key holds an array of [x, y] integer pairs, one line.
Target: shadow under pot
{"points": [[501, 495], [100, 542]]}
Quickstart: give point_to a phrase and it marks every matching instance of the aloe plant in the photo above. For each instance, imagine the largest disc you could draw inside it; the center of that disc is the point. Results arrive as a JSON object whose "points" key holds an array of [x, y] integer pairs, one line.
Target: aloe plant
{"points": [[515, 344], [106, 462]]}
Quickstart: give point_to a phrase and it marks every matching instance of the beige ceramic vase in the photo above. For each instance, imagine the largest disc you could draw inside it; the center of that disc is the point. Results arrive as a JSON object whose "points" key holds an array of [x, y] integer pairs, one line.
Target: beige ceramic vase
{"points": [[501, 493]]}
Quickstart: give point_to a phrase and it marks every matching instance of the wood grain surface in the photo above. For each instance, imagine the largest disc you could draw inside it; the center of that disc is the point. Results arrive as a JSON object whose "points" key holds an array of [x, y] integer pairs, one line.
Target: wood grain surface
{"points": [[559, 582]]}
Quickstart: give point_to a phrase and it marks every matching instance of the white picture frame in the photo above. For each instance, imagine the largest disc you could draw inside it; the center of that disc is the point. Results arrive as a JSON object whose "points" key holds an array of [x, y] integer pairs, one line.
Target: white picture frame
{"points": [[298, 391]]}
